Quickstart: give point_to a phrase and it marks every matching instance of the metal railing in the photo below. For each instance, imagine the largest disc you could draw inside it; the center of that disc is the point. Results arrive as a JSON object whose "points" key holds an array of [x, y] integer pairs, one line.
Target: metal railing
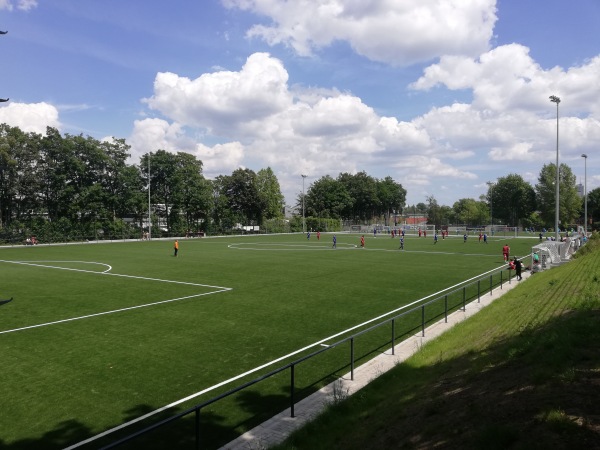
{"points": [[430, 311]]}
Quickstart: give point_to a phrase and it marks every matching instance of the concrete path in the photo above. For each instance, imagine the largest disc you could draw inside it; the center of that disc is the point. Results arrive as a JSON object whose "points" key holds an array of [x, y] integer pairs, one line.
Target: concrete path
{"points": [[278, 428]]}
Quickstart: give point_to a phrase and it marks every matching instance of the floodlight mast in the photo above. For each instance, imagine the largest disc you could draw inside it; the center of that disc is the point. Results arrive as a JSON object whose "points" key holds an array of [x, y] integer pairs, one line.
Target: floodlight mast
{"points": [[555, 99], [2, 100], [584, 156]]}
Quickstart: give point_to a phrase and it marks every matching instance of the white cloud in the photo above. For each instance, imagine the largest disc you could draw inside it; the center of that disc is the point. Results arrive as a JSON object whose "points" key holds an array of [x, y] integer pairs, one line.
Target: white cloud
{"points": [[32, 117], [221, 158], [220, 101], [507, 78], [23, 5], [257, 120], [395, 32], [150, 135]]}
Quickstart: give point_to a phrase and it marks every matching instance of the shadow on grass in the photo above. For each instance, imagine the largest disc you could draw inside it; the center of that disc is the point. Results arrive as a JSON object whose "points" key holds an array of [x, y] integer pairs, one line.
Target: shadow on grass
{"points": [[539, 389]]}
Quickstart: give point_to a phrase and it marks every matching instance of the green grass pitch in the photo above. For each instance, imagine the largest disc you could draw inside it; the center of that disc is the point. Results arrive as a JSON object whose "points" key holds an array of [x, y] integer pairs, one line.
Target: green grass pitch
{"points": [[99, 334]]}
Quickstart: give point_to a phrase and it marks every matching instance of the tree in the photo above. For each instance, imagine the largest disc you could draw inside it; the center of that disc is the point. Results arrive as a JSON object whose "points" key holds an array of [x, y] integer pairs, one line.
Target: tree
{"points": [[391, 195], [570, 203], [467, 211], [362, 189], [327, 198], [433, 212], [241, 190], [593, 206], [270, 193], [513, 199], [19, 176], [194, 200]]}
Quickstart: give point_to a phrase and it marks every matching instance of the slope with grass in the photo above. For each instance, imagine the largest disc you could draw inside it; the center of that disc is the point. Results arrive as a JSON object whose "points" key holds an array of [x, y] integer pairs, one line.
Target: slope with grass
{"points": [[522, 374]]}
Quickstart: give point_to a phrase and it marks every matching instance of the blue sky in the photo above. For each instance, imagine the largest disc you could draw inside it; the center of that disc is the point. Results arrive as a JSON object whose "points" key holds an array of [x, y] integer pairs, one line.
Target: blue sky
{"points": [[441, 95]]}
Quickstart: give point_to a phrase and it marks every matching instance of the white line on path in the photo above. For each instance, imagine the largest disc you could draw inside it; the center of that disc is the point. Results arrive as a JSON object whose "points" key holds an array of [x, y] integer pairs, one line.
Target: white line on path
{"points": [[270, 363]]}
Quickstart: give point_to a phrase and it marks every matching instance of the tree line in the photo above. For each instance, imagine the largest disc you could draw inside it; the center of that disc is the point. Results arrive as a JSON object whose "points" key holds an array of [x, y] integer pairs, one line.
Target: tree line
{"points": [[512, 201], [54, 186]]}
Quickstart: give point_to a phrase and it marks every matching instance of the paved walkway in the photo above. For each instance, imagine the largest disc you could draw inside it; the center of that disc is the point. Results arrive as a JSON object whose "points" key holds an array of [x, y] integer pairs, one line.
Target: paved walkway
{"points": [[278, 428]]}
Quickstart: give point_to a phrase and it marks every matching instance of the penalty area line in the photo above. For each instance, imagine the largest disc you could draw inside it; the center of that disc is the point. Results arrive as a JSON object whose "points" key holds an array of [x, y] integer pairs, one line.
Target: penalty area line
{"points": [[129, 308]]}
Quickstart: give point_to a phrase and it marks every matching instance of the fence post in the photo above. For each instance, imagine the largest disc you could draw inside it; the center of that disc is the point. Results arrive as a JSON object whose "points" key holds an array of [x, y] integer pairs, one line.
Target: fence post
{"points": [[478, 291], [491, 283], [423, 320], [446, 308], [501, 278], [464, 298], [393, 335], [198, 429], [292, 383], [352, 359]]}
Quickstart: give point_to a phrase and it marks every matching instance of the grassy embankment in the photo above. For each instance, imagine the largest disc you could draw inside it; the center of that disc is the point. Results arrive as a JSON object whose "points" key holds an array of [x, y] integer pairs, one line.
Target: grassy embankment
{"points": [[522, 374]]}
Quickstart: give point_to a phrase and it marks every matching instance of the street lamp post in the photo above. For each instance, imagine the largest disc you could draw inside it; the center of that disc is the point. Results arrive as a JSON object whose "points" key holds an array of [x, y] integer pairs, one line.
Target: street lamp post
{"points": [[303, 219], [555, 99], [584, 156]]}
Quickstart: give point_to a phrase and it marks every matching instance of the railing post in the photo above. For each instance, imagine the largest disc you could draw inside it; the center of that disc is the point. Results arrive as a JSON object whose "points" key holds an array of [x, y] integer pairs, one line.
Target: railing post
{"points": [[393, 335], [464, 298], [198, 429], [352, 359], [478, 291], [423, 320], [501, 278], [446, 308], [491, 283], [292, 383]]}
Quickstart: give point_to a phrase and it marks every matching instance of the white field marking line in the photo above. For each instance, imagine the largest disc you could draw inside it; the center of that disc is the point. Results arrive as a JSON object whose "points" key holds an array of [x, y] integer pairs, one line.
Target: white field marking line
{"points": [[246, 246], [256, 369], [305, 247], [219, 289], [58, 267], [116, 274]]}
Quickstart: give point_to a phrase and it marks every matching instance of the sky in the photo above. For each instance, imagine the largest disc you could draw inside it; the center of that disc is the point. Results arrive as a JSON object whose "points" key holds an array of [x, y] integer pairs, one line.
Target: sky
{"points": [[443, 96]]}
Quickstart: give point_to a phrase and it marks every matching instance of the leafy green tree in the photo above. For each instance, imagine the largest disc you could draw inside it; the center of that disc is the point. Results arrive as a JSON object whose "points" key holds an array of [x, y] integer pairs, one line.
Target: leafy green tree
{"points": [[327, 198], [434, 216], [513, 199], [195, 191], [19, 177], [570, 203], [362, 189], [270, 193], [467, 211], [241, 190], [593, 206], [391, 195]]}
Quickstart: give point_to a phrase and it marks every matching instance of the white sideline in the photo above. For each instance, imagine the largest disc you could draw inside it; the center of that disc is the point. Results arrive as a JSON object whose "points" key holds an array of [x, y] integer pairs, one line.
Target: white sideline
{"points": [[270, 363]]}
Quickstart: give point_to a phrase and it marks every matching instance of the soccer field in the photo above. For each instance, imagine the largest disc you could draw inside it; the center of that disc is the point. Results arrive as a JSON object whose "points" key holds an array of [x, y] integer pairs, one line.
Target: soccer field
{"points": [[100, 334]]}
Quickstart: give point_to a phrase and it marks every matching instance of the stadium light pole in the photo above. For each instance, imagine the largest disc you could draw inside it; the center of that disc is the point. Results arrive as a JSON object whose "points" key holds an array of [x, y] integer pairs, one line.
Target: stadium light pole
{"points": [[555, 99], [303, 220], [584, 156], [149, 205]]}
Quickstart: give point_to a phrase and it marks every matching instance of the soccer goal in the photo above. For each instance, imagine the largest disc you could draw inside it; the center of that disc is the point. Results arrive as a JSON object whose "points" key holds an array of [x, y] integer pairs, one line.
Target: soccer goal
{"points": [[548, 254]]}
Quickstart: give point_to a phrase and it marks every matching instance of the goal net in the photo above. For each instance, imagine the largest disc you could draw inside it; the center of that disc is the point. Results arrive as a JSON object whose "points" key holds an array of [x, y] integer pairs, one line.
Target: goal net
{"points": [[548, 254]]}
